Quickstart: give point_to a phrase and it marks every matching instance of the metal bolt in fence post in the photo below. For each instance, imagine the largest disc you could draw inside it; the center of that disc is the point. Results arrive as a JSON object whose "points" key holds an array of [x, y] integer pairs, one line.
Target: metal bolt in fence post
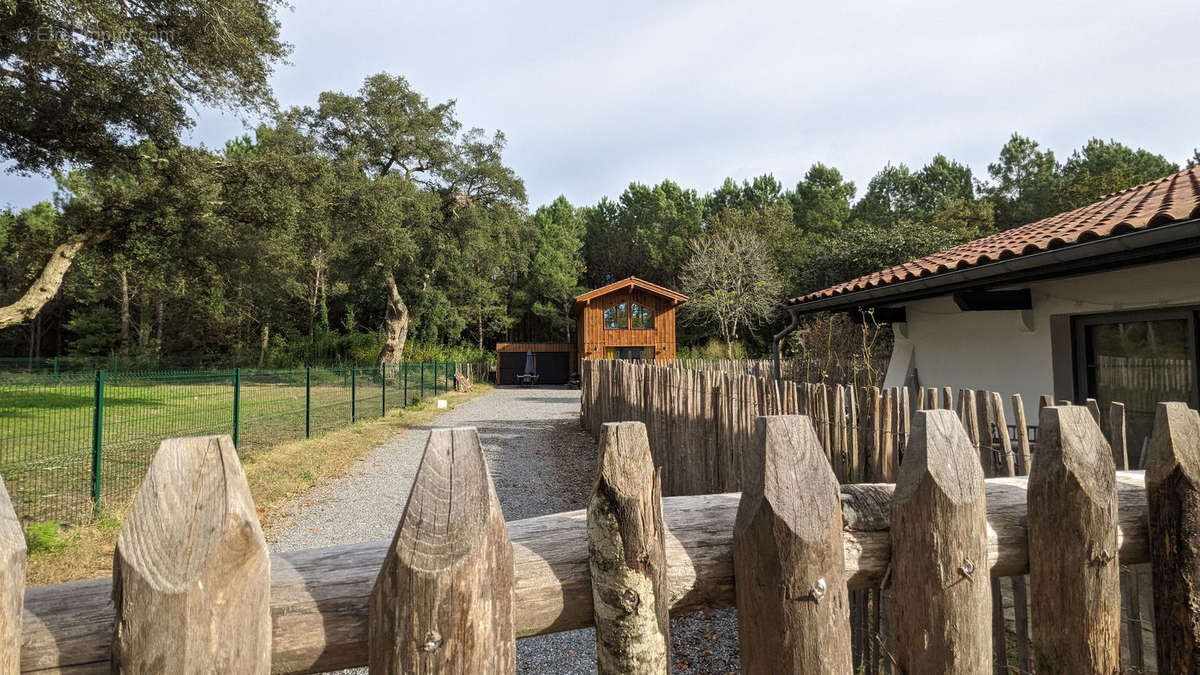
{"points": [[308, 401], [97, 438], [237, 403], [353, 394]]}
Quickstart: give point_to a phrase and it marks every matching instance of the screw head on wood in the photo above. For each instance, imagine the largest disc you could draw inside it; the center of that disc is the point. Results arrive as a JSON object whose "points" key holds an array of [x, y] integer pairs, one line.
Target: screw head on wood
{"points": [[968, 567], [433, 640], [818, 590]]}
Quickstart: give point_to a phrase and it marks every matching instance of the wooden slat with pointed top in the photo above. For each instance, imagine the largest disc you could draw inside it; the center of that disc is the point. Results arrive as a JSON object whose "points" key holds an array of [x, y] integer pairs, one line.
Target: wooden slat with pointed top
{"points": [[191, 571], [1022, 458], [941, 597], [12, 585], [1020, 591], [627, 556], [1007, 466], [1074, 576], [983, 425], [788, 557], [1044, 401], [1173, 501], [443, 600], [1117, 435]]}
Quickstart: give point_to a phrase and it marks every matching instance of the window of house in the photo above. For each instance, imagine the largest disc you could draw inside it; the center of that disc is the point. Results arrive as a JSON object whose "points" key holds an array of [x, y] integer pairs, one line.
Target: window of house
{"points": [[1139, 359], [641, 318], [616, 317], [630, 353]]}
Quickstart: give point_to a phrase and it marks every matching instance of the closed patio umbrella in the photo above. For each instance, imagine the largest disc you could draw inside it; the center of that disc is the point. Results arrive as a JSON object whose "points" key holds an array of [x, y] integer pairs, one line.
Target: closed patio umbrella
{"points": [[528, 362]]}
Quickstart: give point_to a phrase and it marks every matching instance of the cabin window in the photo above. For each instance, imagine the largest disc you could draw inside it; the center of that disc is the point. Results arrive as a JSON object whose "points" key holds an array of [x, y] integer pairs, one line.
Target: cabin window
{"points": [[641, 318], [630, 353], [616, 317], [1139, 359]]}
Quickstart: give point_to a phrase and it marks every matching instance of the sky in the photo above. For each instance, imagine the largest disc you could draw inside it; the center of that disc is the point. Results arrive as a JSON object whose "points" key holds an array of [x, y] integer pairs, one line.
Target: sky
{"points": [[593, 96]]}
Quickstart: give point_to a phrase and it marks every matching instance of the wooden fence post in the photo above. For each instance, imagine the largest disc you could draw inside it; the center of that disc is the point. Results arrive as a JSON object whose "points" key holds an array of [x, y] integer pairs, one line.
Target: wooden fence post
{"points": [[942, 605], [793, 612], [1173, 502], [1023, 456], [585, 394], [983, 426], [1116, 435], [1044, 401], [12, 585], [1020, 592], [191, 572], [871, 441], [1074, 577], [626, 555], [443, 600]]}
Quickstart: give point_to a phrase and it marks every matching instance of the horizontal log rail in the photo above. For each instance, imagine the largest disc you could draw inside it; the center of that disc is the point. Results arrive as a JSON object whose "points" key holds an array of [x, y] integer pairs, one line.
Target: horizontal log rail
{"points": [[319, 598]]}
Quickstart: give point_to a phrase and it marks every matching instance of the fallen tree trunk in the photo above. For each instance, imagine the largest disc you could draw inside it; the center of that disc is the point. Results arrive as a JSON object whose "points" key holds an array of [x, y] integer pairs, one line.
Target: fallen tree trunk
{"points": [[319, 597]]}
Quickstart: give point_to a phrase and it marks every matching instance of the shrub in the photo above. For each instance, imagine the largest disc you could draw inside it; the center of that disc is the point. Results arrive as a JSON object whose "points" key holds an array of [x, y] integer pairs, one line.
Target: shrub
{"points": [[44, 537]]}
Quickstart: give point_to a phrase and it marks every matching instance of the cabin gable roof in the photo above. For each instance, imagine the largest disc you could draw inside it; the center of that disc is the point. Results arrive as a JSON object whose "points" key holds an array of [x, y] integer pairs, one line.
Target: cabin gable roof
{"points": [[627, 284]]}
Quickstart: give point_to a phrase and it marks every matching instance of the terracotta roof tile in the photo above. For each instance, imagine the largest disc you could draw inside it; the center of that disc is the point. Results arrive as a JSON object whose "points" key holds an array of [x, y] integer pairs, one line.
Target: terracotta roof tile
{"points": [[1166, 200]]}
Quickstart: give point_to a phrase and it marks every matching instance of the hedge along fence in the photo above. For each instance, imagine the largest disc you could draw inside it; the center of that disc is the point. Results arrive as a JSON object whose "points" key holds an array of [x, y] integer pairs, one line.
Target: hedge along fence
{"points": [[73, 445], [455, 587], [701, 422]]}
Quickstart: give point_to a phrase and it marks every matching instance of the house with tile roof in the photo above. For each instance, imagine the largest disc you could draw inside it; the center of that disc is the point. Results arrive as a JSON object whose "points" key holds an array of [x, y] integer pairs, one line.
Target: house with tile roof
{"points": [[1100, 302]]}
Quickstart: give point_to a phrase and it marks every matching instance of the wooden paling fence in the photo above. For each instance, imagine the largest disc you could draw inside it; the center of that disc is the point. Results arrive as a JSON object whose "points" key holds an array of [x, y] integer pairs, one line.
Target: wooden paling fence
{"points": [[701, 424], [1138, 380], [194, 588], [789, 369]]}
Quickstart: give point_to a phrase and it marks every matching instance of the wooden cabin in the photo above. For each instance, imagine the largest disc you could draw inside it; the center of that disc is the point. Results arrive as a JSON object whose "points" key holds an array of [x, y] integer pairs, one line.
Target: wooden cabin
{"points": [[628, 319]]}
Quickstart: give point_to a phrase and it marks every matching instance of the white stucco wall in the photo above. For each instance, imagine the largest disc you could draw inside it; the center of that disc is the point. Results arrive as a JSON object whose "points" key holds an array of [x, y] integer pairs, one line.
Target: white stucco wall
{"points": [[996, 351]]}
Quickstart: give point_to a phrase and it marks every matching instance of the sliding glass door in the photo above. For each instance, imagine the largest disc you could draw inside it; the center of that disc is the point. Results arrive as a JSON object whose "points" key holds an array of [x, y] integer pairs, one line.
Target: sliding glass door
{"points": [[1139, 359]]}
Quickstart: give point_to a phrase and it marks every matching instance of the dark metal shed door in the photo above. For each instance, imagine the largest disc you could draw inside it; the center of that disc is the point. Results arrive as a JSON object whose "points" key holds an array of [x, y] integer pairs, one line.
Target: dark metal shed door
{"points": [[511, 364], [553, 367]]}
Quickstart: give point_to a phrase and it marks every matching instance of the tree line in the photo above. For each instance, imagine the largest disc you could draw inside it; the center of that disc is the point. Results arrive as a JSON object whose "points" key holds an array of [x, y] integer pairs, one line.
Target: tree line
{"points": [[370, 221]]}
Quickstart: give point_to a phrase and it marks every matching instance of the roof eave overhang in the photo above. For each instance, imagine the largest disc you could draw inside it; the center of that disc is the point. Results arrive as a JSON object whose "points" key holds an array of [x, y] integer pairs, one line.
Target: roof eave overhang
{"points": [[1156, 244]]}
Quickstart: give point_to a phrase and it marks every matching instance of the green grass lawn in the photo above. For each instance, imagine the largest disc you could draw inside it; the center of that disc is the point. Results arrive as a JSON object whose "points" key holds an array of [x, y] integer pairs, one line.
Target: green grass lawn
{"points": [[46, 425]]}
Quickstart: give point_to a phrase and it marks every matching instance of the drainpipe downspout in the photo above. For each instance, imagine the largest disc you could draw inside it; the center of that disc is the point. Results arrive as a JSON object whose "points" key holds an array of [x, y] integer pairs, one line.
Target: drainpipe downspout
{"points": [[779, 338]]}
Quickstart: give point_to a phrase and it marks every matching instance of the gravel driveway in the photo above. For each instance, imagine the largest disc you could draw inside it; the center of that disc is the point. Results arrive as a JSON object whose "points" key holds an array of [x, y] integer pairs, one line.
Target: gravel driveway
{"points": [[541, 462]]}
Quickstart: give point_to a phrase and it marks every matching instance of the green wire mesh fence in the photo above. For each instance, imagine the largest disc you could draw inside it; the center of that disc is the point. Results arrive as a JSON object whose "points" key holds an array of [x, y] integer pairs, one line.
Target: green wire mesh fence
{"points": [[73, 445]]}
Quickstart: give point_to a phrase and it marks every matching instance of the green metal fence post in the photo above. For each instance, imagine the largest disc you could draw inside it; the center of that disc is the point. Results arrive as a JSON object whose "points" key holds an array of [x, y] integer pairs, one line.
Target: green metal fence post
{"points": [[308, 401], [56, 366], [404, 403], [383, 389], [422, 383], [435, 376], [353, 394], [237, 404], [97, 438]]}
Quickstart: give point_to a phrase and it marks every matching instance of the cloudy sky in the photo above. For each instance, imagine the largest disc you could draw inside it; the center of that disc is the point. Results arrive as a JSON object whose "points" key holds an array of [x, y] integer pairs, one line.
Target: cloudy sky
{"points": [[595, 95]]}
